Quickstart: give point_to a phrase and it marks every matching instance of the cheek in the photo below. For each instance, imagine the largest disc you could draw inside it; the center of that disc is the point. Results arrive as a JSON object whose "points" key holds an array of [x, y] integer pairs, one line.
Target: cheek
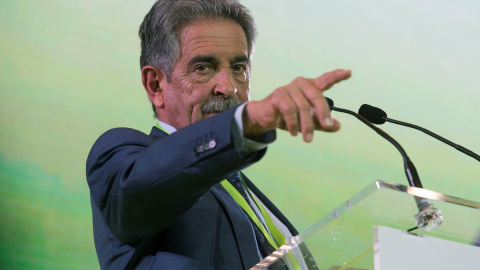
{"points": [[180, 92], [244, 96], [243, 89]]}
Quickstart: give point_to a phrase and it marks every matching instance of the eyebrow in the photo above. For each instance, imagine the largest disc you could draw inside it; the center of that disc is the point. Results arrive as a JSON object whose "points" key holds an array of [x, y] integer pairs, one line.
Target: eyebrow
{"points": [[202, 58], [240, 58], [213, 59]]}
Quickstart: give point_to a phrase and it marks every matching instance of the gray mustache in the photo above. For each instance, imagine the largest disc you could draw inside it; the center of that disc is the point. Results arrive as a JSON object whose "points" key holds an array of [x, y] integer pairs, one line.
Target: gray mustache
{"points": [[219, 104]]}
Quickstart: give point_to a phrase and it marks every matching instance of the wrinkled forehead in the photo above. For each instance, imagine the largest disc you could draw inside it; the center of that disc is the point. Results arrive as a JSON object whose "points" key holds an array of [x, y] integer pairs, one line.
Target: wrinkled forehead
{"points": [[213, 36]]}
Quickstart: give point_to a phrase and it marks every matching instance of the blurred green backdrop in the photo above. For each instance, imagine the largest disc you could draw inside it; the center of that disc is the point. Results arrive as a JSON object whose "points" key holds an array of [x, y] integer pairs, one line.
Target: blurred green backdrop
{"points": [[69, 71]]}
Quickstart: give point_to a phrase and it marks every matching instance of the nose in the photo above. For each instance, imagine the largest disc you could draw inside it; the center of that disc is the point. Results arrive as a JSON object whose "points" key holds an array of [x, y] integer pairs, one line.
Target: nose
{"points": [[224, 83]]}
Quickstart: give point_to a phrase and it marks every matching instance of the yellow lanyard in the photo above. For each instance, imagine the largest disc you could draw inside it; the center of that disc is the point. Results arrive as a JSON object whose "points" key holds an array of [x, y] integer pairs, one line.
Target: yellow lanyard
{"points": [[279, 237]]}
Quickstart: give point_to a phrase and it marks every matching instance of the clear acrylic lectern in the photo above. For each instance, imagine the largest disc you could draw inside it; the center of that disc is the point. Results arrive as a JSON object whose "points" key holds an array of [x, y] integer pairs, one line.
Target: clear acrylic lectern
{"points": [[344, 239]]}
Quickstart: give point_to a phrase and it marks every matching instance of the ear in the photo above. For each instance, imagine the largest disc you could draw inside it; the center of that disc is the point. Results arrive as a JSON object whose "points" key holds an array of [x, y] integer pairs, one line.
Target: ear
{"points": [[154, 82]]}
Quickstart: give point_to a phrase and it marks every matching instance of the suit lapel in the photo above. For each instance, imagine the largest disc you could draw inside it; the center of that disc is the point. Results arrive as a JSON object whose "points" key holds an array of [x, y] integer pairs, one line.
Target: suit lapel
{"points": [[242, 227]]}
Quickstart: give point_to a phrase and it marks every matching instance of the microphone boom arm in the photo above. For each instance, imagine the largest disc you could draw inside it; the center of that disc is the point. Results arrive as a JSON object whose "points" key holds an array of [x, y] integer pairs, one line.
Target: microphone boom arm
{"points": [[428, 217], [440, 138], [410, 170]]}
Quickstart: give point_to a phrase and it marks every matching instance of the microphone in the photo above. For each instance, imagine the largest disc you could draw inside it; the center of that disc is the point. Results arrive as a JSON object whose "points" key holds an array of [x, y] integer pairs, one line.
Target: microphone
{"points": [[428, 217], [378, 116]]}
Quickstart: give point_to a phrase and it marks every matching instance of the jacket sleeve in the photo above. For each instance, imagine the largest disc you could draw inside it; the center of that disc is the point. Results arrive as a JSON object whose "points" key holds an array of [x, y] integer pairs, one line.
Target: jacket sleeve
{"points": [[141, 185]]}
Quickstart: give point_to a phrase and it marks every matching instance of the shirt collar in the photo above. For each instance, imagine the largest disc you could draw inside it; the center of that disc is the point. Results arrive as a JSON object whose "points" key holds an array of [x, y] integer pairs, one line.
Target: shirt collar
{"points": [[169, 129]]}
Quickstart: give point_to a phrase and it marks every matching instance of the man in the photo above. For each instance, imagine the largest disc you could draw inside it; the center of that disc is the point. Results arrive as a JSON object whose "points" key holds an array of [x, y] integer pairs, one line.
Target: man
{"points": [[161, 201]]}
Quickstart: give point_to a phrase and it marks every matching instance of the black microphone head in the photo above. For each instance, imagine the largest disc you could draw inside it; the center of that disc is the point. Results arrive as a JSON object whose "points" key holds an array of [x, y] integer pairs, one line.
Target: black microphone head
{"points": [[330, 102], [372, 114]]}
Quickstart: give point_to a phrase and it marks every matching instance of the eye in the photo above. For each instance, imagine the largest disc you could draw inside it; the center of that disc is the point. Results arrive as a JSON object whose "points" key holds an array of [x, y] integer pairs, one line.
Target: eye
{"points": [[202, 68], [239, 68]]}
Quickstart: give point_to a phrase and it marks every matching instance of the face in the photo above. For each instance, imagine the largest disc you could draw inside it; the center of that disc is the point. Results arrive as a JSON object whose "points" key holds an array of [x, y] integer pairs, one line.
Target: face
{"points": [[211, 75]]}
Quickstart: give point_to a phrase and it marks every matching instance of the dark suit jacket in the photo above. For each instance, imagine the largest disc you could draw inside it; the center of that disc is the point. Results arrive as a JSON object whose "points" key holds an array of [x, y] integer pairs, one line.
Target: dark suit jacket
{"points": [[157, 202]]}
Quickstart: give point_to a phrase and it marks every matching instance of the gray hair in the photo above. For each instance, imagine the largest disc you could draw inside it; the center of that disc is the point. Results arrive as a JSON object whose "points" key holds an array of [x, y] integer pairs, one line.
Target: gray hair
{"points": [[161, 27]]}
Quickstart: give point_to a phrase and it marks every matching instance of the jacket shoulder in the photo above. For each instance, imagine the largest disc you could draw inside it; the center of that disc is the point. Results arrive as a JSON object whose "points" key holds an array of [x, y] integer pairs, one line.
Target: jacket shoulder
{"points": [[114, 139]]}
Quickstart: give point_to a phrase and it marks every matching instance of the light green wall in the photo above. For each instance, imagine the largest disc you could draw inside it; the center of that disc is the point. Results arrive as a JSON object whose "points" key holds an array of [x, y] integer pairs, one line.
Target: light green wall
{"points": [[69, 71]]}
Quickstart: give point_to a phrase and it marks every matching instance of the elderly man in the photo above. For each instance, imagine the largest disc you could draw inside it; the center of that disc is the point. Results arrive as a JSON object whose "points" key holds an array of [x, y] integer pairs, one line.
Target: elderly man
{"points": [[175, 199]]}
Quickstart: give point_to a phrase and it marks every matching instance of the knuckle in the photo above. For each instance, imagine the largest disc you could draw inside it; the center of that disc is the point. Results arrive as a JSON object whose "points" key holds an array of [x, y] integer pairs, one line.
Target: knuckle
{"points": [[279, 91], [304, 107], [322, 84], [290, 110], [308, 125], [287, 108], [317, 95], [299, 79], [326, 78], [308, 129]]}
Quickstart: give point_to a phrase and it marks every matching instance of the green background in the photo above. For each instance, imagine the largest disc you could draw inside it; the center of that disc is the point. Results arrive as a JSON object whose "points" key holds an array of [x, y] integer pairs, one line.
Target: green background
{"points": [[69, 71]]}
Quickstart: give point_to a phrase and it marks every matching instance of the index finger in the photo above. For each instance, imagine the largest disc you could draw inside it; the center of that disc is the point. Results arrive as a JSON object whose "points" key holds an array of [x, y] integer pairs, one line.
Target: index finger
{"points": [[327, 80], [322, 110]]}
